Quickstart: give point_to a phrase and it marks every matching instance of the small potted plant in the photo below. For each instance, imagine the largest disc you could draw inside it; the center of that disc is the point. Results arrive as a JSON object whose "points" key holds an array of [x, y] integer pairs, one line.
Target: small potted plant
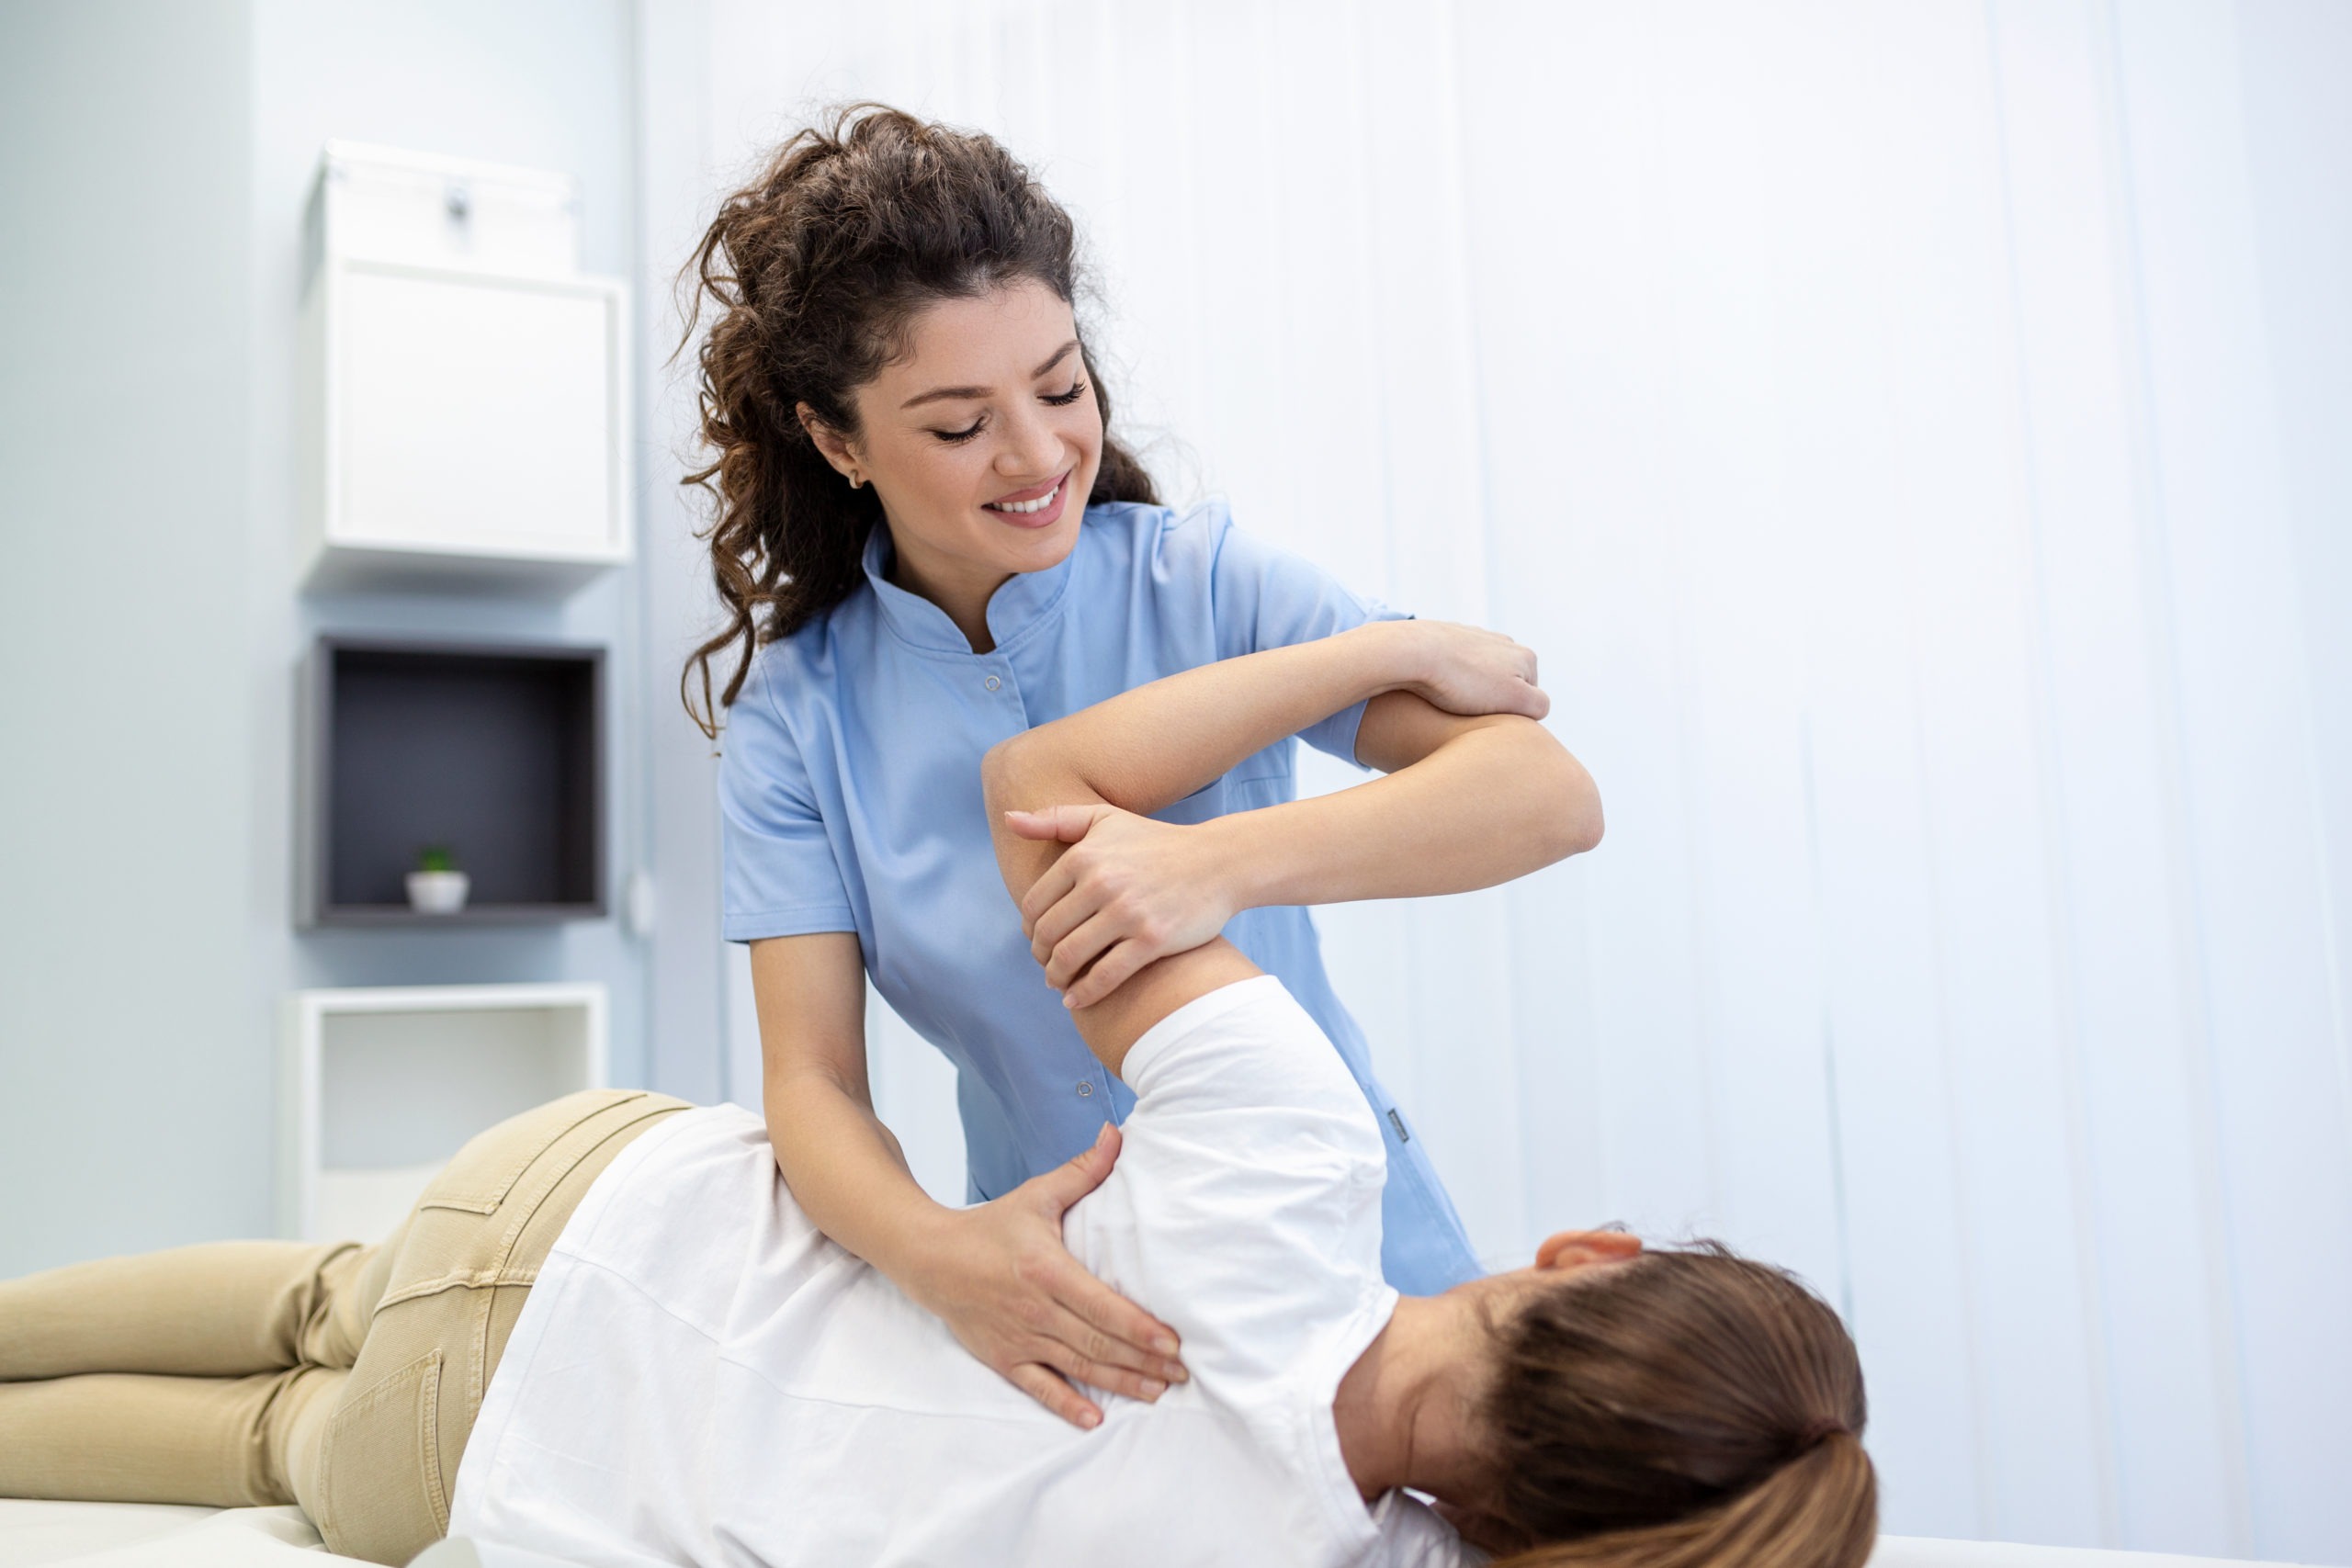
{"points": [[436, 886]]}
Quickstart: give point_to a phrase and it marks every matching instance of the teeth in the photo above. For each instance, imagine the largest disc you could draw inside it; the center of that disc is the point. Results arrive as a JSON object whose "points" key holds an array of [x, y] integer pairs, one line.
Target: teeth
{"points": [[1025, 507]]}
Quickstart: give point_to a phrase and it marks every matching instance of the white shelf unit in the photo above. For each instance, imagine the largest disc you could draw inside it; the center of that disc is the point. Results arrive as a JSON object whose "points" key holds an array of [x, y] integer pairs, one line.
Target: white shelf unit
{"points": [[466, 389], [379, 1086]]}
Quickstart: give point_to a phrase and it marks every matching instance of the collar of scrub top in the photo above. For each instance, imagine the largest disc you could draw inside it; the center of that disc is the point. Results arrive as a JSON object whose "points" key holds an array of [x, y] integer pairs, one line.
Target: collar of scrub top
{"points": [[1024, 600]]}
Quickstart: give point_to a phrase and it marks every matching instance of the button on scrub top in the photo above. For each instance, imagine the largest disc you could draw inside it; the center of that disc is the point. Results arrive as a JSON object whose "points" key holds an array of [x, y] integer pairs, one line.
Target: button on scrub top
{"points": [[850, 801]]}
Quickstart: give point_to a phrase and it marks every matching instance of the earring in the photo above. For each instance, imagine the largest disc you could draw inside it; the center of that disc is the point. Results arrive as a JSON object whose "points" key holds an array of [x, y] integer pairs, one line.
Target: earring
{"points": [[855, 480]]}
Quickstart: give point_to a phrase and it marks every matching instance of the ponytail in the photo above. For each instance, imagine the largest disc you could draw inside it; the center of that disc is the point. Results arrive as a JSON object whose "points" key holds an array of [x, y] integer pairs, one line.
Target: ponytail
{"points": [[1682, 1409], [1818, 1510]]}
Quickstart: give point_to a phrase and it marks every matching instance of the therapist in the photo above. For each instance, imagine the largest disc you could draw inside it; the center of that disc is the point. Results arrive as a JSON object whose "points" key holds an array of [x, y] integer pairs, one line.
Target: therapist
{"points": [[925, 542]]}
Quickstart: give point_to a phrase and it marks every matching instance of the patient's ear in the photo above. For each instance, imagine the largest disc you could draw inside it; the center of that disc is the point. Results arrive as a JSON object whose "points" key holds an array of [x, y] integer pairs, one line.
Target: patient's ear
{"points": [[1575, 1249]]}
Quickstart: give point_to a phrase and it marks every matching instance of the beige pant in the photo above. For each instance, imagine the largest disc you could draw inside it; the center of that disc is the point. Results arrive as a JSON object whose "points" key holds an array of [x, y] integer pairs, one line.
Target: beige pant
{"points": [[343, 1378]]}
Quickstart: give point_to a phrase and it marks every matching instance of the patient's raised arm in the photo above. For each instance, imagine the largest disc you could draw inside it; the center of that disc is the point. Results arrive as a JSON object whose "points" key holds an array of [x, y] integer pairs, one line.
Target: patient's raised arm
{"points": [[1144, 749]]}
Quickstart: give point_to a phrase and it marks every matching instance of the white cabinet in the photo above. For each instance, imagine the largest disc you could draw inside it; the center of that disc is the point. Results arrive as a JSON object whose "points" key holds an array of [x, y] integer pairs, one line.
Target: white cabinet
{"points": [[466, 391], [379, 1086]]}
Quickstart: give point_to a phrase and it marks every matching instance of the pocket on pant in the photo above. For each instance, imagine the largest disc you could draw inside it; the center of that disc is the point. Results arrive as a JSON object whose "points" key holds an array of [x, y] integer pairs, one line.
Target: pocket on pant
{"points": [[479, 1179], [382, 1495]]}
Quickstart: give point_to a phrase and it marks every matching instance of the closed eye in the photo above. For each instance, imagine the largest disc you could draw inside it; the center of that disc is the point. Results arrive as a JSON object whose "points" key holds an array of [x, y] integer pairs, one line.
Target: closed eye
{"points": [[1056, 399]]}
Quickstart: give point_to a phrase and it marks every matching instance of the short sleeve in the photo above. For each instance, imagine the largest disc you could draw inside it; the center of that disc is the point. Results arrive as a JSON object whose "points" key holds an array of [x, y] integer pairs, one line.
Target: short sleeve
{"points": [[1267, 597], [778, 873]]}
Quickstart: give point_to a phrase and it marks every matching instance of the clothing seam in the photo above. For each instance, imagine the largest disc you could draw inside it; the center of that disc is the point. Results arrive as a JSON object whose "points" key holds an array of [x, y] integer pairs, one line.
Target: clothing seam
{"points": [[790, 1393], [588, 1215], [1367, 610], [488, 1198], [1360, 1515], [521, 1222], [753, 928], [469, 1279], [799, 747], [791, 909], [428, 1442], [536, 1341], [647, 1297]]}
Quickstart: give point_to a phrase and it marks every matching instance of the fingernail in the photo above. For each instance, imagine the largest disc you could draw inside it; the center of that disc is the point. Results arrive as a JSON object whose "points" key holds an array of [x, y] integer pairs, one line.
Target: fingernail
{"points": [[1153, 1388], [1165, 1344], [1068, 1001], [1091, 1419], [1176, 1372]]}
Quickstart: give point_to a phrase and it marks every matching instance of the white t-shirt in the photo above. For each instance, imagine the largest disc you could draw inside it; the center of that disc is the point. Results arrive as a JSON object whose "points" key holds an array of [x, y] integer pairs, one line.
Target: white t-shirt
{"points": [[700, 1376]]}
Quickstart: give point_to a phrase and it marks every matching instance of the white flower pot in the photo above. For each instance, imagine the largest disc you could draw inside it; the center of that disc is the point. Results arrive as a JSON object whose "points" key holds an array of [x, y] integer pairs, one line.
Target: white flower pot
{"points": [[437, 892]]}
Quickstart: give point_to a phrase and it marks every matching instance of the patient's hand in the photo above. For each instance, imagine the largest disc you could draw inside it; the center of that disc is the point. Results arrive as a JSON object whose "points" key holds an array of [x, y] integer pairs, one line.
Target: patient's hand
{"points": [[1130, 891], [1002, 1279]]}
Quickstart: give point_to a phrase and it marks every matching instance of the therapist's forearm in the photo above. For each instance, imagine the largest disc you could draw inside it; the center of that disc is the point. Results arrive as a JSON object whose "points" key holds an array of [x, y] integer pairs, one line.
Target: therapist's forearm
{"points": [[847, 1171], [1495, 800]]}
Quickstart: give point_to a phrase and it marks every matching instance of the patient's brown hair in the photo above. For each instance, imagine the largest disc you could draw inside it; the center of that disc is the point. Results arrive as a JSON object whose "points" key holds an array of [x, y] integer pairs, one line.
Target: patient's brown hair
{"points": [[1681, 1408]]}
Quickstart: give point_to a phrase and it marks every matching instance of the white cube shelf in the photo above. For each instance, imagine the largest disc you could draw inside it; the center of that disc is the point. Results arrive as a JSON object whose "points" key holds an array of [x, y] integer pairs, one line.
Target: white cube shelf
{"points": [[380, 1087], [389, 204], [466, 391]]}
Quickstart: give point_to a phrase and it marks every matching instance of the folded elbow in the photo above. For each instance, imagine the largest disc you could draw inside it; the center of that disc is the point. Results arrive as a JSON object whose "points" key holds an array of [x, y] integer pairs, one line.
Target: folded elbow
{"points": [[1000, 771], [1584, 828], [1558, 806], [1577, 819], [996, 763]]}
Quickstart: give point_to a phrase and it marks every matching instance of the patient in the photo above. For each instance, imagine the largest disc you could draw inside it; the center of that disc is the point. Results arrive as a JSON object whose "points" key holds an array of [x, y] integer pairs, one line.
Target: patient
{"points": [[700, 1376]]}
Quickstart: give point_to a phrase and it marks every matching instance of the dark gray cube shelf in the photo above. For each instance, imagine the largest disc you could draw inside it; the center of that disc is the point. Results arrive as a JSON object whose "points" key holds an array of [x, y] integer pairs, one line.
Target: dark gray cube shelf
{"points": [[495, 750]]}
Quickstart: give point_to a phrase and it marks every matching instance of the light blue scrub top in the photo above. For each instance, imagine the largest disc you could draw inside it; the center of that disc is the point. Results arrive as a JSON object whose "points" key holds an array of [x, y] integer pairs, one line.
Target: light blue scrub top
{"points": [[850, 800]]}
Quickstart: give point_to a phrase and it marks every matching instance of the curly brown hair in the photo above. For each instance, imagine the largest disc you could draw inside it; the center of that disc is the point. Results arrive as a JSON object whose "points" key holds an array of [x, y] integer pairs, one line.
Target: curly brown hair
{"points": [[813, 272]]}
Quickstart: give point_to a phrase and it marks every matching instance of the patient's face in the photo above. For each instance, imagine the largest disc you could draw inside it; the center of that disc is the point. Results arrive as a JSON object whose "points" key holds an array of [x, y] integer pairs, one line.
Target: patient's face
{"points": [[982, 440]]}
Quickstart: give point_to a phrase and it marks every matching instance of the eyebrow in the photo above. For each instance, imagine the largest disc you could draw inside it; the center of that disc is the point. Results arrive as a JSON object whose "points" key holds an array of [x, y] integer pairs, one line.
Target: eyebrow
{"points": [[938, 394]]}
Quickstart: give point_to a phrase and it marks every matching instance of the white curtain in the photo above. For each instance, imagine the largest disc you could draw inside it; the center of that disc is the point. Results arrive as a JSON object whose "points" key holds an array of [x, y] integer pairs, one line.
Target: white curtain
{"points": [[1915, 440]]}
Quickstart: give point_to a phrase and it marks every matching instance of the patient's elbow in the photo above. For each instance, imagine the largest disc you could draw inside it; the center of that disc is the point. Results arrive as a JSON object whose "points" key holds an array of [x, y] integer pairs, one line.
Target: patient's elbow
{"points": [[997, 770], [1555, 809], [1576, 819], [1585, 832], [1001, 770]]}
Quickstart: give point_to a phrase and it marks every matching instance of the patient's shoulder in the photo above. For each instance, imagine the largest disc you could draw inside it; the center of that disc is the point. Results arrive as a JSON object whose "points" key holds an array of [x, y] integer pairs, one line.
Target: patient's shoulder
{"points": [[1156, 993], [1245, 1206], [1246, 1048]]}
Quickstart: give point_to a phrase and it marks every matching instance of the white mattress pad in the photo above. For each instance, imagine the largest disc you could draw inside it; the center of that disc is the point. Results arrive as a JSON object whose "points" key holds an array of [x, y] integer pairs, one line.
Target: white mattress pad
{"points": [[156, 1535]]}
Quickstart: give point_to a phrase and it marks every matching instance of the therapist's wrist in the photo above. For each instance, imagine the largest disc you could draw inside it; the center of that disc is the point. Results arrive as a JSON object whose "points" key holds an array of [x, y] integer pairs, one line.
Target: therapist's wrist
{"points": [[1388, 656], [914, 1242], [1247, 863]]}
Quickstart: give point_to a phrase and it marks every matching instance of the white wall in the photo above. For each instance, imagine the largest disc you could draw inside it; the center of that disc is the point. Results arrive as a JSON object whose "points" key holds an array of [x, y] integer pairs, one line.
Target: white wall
{"points": [[124, 724], [156, 157], [677, 192], [1915, 439]]}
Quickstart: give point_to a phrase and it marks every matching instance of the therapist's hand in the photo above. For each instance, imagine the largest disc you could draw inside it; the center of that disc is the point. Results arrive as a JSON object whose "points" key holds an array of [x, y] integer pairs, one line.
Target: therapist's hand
{"points": [[1129, 891], [1003, 1282], [1464, 669]]}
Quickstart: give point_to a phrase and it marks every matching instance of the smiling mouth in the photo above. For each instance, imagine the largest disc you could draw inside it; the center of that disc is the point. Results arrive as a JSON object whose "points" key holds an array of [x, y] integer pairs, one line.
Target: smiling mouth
{"points": [[1024, 508]]}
